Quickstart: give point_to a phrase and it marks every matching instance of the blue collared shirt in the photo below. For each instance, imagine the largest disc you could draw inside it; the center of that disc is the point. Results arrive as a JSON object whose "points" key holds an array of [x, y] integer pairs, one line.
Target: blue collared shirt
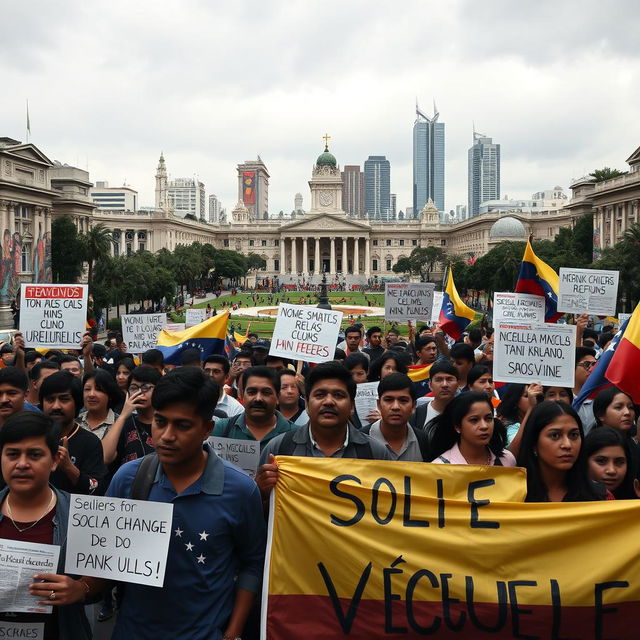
{"points": [[217, 545]]}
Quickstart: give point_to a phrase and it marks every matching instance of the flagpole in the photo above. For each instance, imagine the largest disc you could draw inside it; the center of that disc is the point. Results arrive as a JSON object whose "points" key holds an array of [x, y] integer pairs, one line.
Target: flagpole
{"points": [[28, 122]]}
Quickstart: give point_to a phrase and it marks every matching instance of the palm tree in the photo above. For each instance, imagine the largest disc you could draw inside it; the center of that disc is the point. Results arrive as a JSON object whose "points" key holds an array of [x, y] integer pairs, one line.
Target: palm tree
{"points": [[606, 173], [97, 246]]}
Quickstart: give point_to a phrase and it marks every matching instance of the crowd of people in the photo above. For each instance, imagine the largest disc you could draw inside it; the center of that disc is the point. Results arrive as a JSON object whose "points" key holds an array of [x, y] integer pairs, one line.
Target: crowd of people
{"points": [[101, 421]]}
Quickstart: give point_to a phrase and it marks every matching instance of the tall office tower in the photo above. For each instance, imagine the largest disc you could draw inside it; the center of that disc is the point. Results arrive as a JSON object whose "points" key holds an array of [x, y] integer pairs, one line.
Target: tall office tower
{"points": [[484, 173], [377, 187], [353, 190], [253, 188], [186, 196], [393, 200], [428, 160], [214, 209]]}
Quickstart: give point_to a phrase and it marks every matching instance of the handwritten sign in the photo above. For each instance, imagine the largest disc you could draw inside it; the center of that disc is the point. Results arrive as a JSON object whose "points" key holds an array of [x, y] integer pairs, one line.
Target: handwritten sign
{"points": [[437, 306], [194, 317], [140, 330], [245, 454], [119, 539], [19, 561], [588, 291], [366, 400], [305, 333], [172, 327], [405, 301], [31, 630], [518, 307], [53, 316], [541, 352]]}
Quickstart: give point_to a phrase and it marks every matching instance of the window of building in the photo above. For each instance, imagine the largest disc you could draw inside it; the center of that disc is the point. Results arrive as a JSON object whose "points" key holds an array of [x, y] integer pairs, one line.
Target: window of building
{"points": [[251, 243], [276, 243], [276, 265], [388, 265], [443, 243], [401, 243], [263, 243], [375, 265], [375, 243], [226, 243], [414, 242], [388, 243]]}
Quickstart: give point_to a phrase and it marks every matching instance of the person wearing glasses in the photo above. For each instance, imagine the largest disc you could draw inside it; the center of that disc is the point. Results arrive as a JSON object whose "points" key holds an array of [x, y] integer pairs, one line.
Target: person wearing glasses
{"points": [[585, 363], [129, 438]]}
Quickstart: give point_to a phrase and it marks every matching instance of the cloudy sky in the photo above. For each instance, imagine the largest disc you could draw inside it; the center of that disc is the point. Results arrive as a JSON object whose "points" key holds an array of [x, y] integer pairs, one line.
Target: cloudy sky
{"points": [[211, 83]]}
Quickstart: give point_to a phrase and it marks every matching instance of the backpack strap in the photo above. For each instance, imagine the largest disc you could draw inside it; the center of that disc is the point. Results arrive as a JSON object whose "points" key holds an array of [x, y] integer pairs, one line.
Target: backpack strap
{"points": [[230, 424], [423, 443], [287, 445], [145, 475]]}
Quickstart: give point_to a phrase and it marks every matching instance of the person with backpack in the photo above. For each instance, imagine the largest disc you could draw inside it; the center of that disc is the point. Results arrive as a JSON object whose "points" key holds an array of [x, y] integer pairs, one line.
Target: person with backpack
{"points": [[330, 392]]}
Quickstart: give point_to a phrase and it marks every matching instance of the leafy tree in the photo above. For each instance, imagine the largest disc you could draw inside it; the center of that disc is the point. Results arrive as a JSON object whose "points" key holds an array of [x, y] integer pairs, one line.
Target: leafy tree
{"points": [[422, 262], [67, 251], [97, 243], [230, 264], [606, 173], [403, 265], [255, 262]]}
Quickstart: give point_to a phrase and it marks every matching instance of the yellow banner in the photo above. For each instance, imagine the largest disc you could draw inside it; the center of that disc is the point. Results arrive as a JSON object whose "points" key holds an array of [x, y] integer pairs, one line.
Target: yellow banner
{"points": [[367, 549]]}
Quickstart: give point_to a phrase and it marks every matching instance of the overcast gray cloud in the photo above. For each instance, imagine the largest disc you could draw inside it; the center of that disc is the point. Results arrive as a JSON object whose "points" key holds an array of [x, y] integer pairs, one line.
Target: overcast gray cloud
{"points": [[212, 84]]}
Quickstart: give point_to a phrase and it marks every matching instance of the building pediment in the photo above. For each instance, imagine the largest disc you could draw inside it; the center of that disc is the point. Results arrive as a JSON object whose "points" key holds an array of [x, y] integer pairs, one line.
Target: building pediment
{"points": [[29, 152], [634, 158], [323, 222]]}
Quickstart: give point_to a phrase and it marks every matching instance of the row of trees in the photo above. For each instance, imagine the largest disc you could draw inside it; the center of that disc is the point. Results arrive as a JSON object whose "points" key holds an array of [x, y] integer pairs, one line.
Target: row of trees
{"points": [[142, 276]]}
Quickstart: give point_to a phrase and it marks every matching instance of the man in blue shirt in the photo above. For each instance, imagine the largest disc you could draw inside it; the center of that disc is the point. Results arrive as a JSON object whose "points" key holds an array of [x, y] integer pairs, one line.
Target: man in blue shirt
{"points": [[216, 553]]}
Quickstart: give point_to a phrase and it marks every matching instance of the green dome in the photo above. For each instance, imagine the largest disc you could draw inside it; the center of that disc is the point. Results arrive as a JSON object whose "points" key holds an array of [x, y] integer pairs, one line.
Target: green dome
{"points": [[326, 158]]}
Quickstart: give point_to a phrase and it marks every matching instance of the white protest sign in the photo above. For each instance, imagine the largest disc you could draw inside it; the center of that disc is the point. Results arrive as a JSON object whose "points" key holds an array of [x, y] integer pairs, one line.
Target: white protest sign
{"points": [[305, 333], [437, 306], [366, 399], [19, 561], [140, 330], [245, 454], [528, 353], [518, 307], [118, 539], [172, 327], [588, 291], [194, 316], [405, 301], [53, 316], [623, 317], [31, 630]]}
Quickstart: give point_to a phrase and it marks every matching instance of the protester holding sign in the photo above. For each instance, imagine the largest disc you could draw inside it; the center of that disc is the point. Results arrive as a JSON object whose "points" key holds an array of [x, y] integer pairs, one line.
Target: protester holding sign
{"points": [[33, 512]]}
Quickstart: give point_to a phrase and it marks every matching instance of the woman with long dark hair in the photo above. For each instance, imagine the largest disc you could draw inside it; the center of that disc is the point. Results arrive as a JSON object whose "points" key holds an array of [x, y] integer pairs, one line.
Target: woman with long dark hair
{"points": [[550, 452], [389, 362], [102, 398]]}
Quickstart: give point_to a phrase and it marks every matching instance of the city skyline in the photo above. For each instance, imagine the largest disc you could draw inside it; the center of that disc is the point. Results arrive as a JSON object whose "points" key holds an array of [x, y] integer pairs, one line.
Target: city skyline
{"points": [[550, 102]]}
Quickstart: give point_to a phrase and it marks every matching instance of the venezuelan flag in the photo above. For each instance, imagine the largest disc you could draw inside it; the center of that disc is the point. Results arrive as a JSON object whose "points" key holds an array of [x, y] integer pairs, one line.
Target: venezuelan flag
{"points": [[455, 316], [538, 278], [208, 336], [419, 374], [625, 362]]}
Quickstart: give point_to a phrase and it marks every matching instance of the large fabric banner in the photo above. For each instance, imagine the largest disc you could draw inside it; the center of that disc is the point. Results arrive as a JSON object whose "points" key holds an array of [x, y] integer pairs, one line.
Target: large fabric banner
{"points": [[371, 549]]}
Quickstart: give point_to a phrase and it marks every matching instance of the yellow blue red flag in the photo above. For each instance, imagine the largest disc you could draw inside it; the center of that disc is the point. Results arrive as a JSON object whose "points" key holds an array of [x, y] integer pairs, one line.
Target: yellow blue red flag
{"points": [[538, 278], [455, 316]]}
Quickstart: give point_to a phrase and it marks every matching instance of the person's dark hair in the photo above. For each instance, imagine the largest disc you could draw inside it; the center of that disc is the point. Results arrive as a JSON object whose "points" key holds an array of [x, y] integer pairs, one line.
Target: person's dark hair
{"points": [[352, 329], [583, 352], [153, 357], [253, 334], [145, 373], [190, 357], [105, 382], [603, 437], [394, 331], [53, 354], [476, 372], [286, 372], [355, 359], [375, 368], [488, 332], [424, 341], [590, 334], [36, 370], [275, 358], [67, 358], [244, 354], [339, 355], [329, 371], [261, 371], [579, 487], [602, 401], [475, 335], [218, 359], [567, 389], [372, 330], [62, 382], [445, 434], [604, 338], [508, 409], [443, 366], [186, 385], [462, 351], [30, 424], [32, 356], [128, 363], [396, 382], [14, 377]]}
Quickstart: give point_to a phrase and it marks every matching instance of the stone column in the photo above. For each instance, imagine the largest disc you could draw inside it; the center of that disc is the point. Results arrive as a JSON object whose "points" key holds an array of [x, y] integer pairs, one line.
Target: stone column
{"points": [[12, 217], [612, 228], [123, 242], [305, 256], [345, 264], [294, 256], [625, 212], [283, 255], [332, 264], [367, 257], [317, 264], [135, 241], [47, 219], [356, 256], [6, 319]]}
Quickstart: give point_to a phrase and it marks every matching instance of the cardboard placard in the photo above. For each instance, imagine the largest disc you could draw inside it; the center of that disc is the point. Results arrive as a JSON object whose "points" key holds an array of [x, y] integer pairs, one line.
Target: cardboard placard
{"points": [[366, 399], [305, 333], [118, 539], [526, 353], [140, 330], [53, 316], [588, 291], [194, 317], [518, 307], [405, 301], [245, 454], [438, 296]]}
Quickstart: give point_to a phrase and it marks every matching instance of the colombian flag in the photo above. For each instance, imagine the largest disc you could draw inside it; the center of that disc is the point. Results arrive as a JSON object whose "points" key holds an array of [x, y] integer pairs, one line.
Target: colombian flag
{"points": [[538, 278], [455, 316], [208, 336], [625, 363]]}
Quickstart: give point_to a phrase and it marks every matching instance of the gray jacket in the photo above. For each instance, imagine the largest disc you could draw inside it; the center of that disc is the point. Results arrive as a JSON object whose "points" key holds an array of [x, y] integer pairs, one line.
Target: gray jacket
{"points": [[72, 622]]}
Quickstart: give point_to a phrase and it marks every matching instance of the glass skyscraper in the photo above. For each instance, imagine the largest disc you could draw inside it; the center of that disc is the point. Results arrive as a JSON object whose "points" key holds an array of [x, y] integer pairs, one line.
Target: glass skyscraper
{"points": [[428, 161], [377, 187], [484, 173]]}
